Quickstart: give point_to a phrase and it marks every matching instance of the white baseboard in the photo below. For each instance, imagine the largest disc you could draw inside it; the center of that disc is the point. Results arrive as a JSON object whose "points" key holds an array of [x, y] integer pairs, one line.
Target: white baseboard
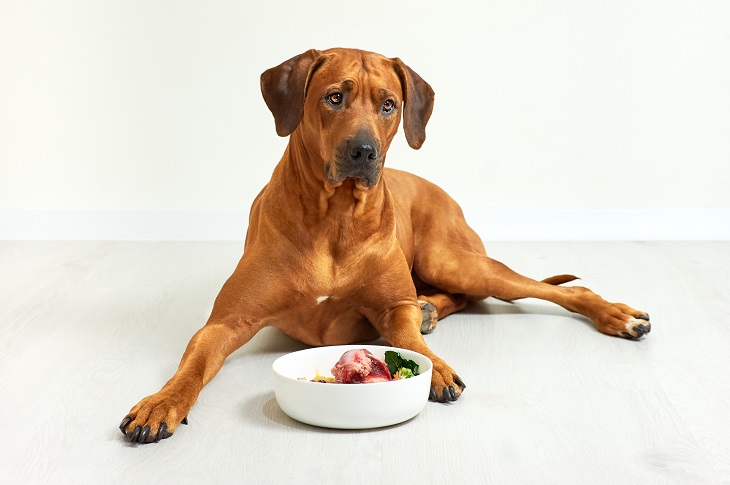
{"points": [[602, 224], [122, 224], [491, 225]]}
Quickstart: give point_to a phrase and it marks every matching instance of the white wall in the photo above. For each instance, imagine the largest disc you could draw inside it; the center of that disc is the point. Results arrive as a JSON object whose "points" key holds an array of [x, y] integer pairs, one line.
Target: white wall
{"points": [[150, 107]]}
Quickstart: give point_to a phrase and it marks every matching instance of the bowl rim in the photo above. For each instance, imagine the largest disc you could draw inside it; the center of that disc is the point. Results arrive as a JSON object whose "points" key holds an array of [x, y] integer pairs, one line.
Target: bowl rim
{"points": [[347, 347]]}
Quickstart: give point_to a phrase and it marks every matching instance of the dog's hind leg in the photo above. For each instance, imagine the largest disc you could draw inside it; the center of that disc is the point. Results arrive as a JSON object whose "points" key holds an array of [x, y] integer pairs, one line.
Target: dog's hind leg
{"points": [[437, 304], [478, 276]]}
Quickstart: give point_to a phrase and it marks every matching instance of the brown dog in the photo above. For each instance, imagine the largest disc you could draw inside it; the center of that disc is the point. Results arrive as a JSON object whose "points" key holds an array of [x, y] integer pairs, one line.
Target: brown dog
{"points": [[341, 250]]}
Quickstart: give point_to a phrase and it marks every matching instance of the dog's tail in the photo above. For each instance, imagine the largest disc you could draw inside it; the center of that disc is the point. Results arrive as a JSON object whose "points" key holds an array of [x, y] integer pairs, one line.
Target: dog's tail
{"points": [[553, 280], [560, 279]]}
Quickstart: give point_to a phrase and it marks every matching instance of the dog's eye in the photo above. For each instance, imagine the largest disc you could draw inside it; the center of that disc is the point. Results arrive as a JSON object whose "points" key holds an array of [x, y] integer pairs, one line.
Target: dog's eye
{"points": [[334, 99], [388, 106]]}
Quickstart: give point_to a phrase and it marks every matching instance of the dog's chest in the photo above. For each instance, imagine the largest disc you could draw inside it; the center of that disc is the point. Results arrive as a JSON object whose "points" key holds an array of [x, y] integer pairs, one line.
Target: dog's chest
{"points": [[331, 276], [331, 279], [325, 280], [327, 310]]}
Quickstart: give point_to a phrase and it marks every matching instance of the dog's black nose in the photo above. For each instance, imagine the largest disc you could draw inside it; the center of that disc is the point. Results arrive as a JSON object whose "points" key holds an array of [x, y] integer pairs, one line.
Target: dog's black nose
{"points": [[363, 152]]}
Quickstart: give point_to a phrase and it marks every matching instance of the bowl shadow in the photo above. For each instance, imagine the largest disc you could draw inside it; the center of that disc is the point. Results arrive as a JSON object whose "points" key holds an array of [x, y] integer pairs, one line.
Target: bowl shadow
{"points": [[262, 410]]}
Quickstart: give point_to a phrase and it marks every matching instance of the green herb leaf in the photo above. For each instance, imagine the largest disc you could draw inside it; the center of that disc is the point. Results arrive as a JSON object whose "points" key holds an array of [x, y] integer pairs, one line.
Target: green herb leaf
{"points": [[397, 364], [411, 365], [394, 361]]}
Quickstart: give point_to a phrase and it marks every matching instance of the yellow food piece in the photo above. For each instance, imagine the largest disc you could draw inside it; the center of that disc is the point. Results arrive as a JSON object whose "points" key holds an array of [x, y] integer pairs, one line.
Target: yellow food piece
{"points": [[324, 379]]}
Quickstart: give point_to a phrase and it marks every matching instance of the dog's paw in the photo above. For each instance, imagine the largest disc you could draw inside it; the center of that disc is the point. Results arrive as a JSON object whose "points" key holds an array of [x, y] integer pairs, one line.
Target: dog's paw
{"points": [[430, 316], [446, 386], [623, 321], [637, 327], [154, 418]]}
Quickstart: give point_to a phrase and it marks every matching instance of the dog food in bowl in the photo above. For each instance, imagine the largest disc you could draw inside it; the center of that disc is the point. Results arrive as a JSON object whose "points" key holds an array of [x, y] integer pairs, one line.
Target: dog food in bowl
{"points": [[360, 366]]}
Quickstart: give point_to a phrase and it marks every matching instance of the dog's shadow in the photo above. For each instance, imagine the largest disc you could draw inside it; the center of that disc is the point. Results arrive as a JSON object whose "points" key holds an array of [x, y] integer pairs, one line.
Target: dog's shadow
{"points": [[528, 306]]}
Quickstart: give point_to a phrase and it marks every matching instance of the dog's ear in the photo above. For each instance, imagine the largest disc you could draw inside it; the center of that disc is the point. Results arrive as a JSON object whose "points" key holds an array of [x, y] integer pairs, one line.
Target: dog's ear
{"points": [[284, 88], [418, 97]]}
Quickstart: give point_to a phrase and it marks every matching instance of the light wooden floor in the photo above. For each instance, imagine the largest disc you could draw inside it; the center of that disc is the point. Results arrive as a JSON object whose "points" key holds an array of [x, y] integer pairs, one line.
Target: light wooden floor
{"points": [[89, 328]]}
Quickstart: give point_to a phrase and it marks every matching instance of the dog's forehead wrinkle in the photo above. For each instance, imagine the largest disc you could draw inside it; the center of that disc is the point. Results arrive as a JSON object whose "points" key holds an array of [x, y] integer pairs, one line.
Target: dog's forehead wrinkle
{"points": [[348, 85], [370, 72]]}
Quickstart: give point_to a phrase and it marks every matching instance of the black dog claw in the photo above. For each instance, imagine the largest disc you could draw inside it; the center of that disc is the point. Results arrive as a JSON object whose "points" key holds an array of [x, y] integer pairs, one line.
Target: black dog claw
{"points": [[124, 424], [162, 432], [627, 335], [432, 394], [144, 435], [184, 421], [645, 316], [452, 393], [459, 383], [135, 434]]}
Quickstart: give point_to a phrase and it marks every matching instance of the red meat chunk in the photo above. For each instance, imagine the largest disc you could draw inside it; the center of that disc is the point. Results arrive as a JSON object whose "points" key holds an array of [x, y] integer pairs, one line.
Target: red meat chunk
{"points": [[360, 366]]}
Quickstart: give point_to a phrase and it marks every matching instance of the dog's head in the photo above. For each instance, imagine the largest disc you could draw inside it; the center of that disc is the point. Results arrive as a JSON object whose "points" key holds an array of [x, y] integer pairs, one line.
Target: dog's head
{"points": [[346, 104]]}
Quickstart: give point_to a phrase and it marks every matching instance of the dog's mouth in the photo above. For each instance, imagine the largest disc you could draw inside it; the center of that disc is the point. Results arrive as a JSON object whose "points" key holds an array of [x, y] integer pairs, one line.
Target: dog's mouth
{"points": [[366, 175]]}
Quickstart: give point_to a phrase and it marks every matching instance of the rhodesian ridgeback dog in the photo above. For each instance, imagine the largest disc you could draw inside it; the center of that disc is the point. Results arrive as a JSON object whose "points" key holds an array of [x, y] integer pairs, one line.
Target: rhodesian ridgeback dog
{"points": [[340, 249]]}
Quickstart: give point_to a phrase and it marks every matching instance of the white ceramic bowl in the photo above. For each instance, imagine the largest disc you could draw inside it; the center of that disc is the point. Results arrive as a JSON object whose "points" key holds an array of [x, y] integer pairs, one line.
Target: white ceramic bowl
{"points": [[348, 406]]}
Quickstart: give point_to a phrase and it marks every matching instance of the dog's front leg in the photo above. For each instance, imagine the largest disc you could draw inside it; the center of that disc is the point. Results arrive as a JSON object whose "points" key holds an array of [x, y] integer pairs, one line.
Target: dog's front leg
{"points": [[238, 313], [401, 326], [156, 417]]}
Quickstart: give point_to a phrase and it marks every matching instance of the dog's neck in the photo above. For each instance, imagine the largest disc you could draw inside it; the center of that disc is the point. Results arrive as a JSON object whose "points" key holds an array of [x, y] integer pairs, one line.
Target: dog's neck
{"points": [[301, 172]]}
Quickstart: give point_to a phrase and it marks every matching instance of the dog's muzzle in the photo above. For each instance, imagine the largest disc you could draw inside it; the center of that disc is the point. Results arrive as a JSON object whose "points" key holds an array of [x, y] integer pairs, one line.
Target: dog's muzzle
{"points": [[359, 158]]}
